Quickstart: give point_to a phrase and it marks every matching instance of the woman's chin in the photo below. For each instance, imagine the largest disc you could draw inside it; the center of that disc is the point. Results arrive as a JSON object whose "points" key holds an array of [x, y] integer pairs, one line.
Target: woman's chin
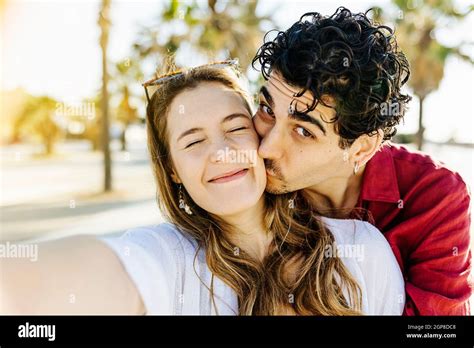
{"points": [[236, 203]]}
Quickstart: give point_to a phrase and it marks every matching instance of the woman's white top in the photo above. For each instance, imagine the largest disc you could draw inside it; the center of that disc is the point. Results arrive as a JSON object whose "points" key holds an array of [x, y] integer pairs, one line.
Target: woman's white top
{"points": [[161, 262]]}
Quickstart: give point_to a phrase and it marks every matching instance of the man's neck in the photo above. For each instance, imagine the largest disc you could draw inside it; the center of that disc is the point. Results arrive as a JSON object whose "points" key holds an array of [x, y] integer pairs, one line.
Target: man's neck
{"points": [[336, 195]]}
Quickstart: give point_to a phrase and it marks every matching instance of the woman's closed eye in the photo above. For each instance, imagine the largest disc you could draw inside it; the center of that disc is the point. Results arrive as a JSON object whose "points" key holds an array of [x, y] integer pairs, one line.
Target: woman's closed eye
{"points": [[233, 130], [191, 144]]}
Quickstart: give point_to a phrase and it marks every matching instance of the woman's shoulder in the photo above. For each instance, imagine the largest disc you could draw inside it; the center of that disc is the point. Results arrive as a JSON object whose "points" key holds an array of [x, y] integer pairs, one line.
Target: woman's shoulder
{"points": [[163, 240], [166, 235], [166, 231], [369, 257], [361, 241], [154, 257], [351, 231]]}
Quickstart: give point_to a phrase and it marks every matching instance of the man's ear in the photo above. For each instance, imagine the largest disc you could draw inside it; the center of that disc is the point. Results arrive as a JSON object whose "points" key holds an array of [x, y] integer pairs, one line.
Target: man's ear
{"points": [[365, 147]]}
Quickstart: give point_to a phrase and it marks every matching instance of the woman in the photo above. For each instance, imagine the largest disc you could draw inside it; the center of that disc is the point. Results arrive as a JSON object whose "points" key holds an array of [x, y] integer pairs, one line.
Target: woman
{"points": [[229, 248]]}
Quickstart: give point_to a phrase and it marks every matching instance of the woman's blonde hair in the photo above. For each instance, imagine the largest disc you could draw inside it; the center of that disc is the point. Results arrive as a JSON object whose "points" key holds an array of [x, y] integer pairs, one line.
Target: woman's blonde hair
{"points": [[320, 283]]}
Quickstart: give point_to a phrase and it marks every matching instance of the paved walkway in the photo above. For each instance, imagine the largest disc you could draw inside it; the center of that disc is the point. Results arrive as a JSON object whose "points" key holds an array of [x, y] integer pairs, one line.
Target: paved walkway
{"points": [[62, 195]]}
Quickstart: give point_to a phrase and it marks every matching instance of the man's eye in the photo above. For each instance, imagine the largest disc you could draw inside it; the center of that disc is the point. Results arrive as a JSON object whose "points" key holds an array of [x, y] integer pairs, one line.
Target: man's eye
{"points": [[303, 132], [193, 143], [266, 109]]}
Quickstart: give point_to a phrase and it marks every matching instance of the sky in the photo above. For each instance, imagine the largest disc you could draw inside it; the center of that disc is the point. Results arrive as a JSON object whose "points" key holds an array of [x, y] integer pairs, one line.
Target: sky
{"points": [[51, 47]]}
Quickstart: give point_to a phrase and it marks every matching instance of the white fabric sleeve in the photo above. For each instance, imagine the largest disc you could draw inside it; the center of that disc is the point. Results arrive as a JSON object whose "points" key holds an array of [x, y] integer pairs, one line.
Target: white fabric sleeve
{"points": [[149, 257], [384, 280]]}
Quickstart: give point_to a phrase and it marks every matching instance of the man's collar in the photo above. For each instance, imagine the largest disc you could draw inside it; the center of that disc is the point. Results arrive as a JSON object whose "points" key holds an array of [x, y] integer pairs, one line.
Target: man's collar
{"points": [[380, 178]]}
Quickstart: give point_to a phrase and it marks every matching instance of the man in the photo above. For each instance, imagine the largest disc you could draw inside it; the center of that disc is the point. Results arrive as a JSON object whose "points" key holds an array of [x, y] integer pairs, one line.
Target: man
{"points": [[329, 106]]}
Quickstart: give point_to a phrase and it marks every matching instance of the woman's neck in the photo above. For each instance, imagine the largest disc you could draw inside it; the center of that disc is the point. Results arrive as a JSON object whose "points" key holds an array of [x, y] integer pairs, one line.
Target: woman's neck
{"points": [[250, 233]]}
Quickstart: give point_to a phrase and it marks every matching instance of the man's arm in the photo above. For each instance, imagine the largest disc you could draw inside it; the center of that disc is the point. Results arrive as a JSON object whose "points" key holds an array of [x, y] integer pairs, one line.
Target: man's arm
{"points": [[438, 263]]}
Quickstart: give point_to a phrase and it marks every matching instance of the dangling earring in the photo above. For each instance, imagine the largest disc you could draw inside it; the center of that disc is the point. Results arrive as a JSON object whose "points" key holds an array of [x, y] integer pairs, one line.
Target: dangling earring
{"points": [[182, 204], [356, 167]]}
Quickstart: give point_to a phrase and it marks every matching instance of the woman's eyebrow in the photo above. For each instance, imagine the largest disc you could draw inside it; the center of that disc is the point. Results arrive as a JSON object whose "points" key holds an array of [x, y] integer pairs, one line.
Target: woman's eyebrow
{"points": [[226, 119], [235, 115], [189, 132]]}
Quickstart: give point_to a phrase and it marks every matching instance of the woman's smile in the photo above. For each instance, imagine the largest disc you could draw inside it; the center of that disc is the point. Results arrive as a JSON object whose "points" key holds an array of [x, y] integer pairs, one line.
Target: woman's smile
{"points": [[229, 176]]}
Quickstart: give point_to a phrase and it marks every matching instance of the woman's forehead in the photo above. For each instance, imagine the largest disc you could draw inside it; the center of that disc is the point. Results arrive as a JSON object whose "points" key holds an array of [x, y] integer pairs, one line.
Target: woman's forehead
{"points": [[208, 103], [207, 94]]}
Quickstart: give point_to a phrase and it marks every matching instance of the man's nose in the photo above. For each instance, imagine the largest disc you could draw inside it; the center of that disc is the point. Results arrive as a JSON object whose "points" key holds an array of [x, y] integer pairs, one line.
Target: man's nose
{"points": [[271, 145]]}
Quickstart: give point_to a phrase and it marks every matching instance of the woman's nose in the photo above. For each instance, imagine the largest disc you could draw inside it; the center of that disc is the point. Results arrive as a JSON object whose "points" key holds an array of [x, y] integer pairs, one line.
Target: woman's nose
{"points": [[222, 151]]}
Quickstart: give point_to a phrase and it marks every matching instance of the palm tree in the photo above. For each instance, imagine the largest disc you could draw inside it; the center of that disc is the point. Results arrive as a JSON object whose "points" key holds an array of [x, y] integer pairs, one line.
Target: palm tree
{"points": [[92, 126], [148, 44], [37, 120], [126, 114], [104, 24], [228, 28], [415, 31], [126, 74], [231, 27]]}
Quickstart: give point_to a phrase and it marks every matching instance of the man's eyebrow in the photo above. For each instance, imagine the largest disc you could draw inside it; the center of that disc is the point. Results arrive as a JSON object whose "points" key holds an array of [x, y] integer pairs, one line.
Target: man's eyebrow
{"points": [[299, 116], [267, 95], [189, 132], [304, 117]]}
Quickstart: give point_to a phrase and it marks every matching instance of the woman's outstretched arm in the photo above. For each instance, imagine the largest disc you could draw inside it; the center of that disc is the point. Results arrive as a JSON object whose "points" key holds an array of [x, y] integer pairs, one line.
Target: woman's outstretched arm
{"points": [[75, 275]]}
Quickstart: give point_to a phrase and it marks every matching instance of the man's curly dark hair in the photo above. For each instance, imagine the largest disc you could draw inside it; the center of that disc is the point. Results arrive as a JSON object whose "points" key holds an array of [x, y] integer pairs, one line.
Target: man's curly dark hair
{"points": [[348, 57]]}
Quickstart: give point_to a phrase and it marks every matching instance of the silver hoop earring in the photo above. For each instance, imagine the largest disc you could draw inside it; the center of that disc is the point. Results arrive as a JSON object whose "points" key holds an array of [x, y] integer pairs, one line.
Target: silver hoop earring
{"points": [[356, 167], [182, 203], [345, 156], [291, 108]]}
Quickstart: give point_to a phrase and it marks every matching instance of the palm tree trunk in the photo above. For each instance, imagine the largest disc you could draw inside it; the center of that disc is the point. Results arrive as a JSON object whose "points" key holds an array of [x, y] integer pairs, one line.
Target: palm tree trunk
{"points": [[104, 40], [123, 139], [421, 129], [49, 146]]}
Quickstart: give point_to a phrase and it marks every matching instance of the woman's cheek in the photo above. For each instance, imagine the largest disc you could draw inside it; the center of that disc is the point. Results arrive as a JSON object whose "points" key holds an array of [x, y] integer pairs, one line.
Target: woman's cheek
{"points": [[194, 163], [187, 167], [249, 142]]}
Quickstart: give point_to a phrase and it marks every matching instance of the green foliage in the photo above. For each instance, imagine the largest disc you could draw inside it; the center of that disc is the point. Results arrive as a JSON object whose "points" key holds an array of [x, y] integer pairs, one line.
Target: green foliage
{"points": [[416, 25], [37, 122], [216, 29]]}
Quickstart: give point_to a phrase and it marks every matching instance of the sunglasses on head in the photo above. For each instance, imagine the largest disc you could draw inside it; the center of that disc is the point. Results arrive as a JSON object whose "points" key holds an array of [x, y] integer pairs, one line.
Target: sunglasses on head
{"points": [[152, 85]]}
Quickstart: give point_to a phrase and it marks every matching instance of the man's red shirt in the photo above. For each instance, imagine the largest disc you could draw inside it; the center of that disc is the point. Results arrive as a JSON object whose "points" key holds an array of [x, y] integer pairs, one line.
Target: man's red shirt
{"points": [[423, 209]]}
